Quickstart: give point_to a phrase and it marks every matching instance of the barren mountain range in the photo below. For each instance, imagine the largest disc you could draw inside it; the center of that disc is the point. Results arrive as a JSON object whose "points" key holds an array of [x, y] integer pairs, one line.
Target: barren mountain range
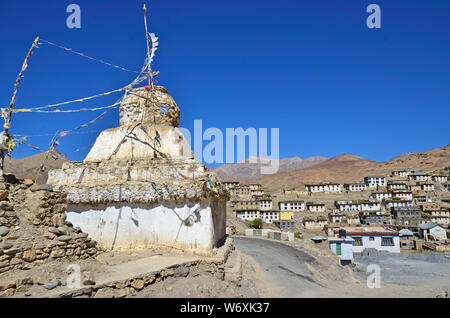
{"points": [[29, 167], [344, 168]]}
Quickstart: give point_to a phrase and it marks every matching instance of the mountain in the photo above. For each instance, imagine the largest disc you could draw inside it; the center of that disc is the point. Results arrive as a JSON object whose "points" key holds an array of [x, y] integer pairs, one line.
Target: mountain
{"points": [[246, 169], [28, 167], [347, 168]]}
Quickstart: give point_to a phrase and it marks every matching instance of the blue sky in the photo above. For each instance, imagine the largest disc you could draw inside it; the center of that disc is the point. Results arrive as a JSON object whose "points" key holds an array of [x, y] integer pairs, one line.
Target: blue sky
{"points": [[311, 68]]}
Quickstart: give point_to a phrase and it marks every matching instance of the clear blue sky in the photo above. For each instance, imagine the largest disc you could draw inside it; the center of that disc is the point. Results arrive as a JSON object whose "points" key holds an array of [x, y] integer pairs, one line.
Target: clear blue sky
{"points": [[311, 68]]}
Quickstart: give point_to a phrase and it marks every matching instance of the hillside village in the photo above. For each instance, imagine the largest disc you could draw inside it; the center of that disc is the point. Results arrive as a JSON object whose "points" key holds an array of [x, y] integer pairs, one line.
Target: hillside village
{"points": [[406, 210]]}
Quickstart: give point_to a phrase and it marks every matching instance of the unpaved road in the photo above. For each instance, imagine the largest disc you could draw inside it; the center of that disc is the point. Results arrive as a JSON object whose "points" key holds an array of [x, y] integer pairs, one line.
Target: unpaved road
{"points": [[284, 267]]}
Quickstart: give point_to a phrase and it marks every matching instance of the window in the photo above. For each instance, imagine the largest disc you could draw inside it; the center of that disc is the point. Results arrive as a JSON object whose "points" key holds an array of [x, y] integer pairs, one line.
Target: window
{"points": [[357, 241], [387, 241], [371, 238]]}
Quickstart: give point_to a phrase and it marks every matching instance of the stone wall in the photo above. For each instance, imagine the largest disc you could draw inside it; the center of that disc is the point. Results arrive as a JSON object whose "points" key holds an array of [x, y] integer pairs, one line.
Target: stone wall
{"points": [[33, 227]]}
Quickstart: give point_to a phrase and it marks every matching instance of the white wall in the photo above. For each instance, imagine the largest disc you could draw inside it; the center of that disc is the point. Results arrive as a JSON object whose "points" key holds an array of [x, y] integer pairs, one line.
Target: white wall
{"points": [[130, 226]]}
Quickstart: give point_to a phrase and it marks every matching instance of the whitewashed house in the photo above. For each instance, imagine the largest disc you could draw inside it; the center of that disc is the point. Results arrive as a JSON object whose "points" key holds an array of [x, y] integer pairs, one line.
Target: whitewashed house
{"points": [[315, 207], [397, 186], [373, 182], [439, 178], [419, 177], [400, 173], [349, 206], [370, 206], [427, 187], [248, 214], [292, 205], [265, 204], [374, 237], [315, 188], [392, 204], [355, 187], [230, 184], [441, 217], [270, 216], [380, 196], [432, 231], [403, 195], [343, 248]]}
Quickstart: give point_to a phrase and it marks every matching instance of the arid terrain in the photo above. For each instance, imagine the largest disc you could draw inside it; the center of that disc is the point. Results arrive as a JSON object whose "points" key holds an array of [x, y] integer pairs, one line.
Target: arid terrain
{"points": [[348, 168]]}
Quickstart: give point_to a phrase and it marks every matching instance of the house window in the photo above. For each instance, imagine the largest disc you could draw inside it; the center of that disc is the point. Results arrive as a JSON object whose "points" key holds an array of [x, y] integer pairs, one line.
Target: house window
{"points": [[371, 238], [387, 241], [357, 241]]}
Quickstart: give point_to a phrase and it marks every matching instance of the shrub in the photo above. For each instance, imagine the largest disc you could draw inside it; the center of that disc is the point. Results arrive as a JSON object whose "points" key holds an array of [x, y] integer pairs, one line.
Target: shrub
{"points": [[256, 224]]}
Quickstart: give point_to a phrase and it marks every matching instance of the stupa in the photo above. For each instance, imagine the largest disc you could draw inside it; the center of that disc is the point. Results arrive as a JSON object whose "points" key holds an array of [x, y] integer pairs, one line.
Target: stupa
{"points": [[140, 184]]}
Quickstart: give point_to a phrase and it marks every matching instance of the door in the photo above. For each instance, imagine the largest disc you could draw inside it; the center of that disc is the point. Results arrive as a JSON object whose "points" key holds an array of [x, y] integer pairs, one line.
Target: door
{"points": [[338, 249]]}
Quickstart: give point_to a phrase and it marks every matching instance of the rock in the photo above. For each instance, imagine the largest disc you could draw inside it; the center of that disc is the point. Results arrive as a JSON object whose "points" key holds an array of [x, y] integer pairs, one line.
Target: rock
{"points": [[8, 285], [21, 289], [29, 256], [104, 293], [138, 284], [63, 230], [27, 182], [4, 195], [58, 220], [50, 286], [88, 282], [12, 251], [150, 280], [8, 293], [181, 272], [45, 187], [120, 293], [54, 230], [4, 230], [64, 238]]}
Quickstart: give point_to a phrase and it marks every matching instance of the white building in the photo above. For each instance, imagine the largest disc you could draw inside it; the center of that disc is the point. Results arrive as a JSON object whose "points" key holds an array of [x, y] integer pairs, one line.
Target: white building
{"points": [[292, 205], [403, 195], [419, 177], [356, 187], [441, 217], [380, 196], [398, 204], [397, 186], [374, 237], [230, 184], [427, 186], [316, 207], [265, 204], [349, 206], [370, 206], [270, 216], [317, 188], [440, 178], [342, 247], [400, 173], [247, 215], [432, 231], [373, 182]]}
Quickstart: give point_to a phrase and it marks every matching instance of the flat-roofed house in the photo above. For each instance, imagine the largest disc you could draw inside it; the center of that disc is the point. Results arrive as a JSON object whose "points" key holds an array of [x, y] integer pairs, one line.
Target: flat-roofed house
{"points": [[400, 173], [406, 195], [439, 178], [407, 215], [371, 237], [317, 188], [265, 203], [373, 182], [349, 206], [395, 185], [380, 196], [375, 217], [419, 177], [432, 231], [399, 203], [255, 186], [415, 187], [427, 187], [343, 248], [230, 184], [247, 214], [315, 207], [270, 216], [291, 205], [441, 217], [370, 206], [355, 187]]}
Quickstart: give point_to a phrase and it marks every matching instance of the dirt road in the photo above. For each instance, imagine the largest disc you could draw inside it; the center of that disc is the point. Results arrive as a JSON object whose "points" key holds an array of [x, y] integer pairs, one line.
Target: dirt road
{"points": [[284, 267]]}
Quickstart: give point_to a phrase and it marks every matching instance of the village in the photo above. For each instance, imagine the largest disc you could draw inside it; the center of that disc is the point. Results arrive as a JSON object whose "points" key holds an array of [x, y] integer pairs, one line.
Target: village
{"points": [[409, 210]]}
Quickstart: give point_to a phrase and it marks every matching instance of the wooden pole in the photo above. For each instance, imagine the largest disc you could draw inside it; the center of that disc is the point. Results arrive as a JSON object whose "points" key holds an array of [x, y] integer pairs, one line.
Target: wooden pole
{"points": [[7, 124], [149, 75]]}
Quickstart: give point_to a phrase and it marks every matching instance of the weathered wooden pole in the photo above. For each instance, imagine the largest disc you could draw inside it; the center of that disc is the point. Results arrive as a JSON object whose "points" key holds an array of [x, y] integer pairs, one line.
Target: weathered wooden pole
{"points": [[5, 136]]}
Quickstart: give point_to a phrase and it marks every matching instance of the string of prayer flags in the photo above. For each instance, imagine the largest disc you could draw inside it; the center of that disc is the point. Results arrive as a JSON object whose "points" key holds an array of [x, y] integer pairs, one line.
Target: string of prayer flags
{"points": [[155, 44]]}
